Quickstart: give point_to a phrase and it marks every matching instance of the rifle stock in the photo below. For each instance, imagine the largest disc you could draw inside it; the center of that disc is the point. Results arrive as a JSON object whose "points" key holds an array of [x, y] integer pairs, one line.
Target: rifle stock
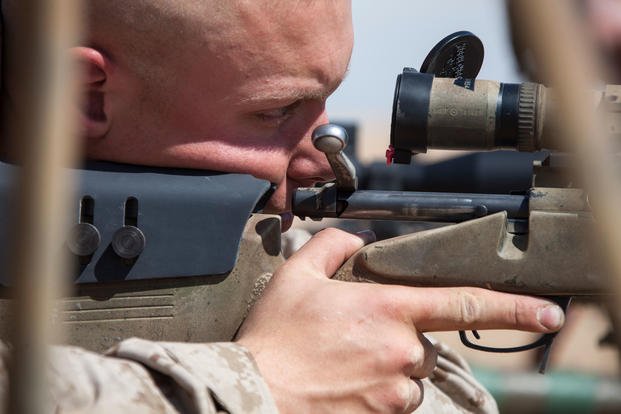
{"points": [[208, 308], [552, 259]]}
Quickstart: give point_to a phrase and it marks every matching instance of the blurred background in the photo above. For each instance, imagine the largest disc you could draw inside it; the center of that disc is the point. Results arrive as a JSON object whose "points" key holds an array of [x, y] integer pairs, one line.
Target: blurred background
{"points": [[392, 35], [583, 373]]}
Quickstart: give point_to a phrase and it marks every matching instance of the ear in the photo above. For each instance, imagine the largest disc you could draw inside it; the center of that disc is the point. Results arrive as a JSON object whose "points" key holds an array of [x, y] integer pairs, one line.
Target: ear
{"points": [[95, 68]]}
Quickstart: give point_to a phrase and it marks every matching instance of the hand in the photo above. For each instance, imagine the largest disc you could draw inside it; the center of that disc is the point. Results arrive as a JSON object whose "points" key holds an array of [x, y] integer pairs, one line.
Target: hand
{"points": [[330, 346]]}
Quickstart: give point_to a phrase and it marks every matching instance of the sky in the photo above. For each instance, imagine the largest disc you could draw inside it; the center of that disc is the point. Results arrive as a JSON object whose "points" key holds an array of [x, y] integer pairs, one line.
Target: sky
{"points": [[392, 34]]}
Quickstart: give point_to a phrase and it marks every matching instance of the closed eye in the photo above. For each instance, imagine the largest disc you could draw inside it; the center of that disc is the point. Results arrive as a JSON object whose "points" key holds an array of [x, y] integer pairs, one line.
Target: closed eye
{"points": [[278, 115]]}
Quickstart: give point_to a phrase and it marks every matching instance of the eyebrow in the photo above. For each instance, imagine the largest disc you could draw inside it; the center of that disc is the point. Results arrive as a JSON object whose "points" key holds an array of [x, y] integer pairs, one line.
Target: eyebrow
{"points": [[295, 94]]}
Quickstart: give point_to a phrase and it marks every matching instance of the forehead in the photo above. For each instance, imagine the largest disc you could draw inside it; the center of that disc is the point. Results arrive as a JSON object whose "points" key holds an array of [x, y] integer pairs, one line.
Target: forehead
{"points": [[299, 23], [278, 44]]}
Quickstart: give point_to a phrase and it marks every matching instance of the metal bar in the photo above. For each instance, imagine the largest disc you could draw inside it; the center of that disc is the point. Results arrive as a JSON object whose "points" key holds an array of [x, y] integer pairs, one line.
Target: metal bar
{"points": [[406, 205], [442, 207], [559, 45], [41, 130]]}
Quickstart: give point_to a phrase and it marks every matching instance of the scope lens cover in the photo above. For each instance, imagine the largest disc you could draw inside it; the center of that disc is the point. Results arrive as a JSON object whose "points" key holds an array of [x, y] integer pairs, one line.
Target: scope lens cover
{"points": [[458, 55]]}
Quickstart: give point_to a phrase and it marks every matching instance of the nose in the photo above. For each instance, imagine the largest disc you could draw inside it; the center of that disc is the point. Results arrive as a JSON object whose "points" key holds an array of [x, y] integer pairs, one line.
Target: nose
{"points": [[308, 164]]}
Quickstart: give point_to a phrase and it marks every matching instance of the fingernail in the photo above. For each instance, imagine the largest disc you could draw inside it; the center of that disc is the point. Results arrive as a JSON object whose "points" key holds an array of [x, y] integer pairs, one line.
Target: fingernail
{"points": [[368, 236], [551, 317]]}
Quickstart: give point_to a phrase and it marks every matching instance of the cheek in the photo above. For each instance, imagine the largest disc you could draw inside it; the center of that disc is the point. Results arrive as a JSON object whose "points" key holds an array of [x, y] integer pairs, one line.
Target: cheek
{"points": [[263, 161]]}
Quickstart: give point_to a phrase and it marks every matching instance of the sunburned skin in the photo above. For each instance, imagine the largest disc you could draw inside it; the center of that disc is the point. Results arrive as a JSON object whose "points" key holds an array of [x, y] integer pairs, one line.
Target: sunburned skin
{"points": [[269, 78]]}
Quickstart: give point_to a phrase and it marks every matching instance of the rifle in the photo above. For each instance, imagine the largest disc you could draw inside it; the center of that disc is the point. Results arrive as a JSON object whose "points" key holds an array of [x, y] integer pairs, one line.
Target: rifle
{"points": [[538, 242], [159, 253]]}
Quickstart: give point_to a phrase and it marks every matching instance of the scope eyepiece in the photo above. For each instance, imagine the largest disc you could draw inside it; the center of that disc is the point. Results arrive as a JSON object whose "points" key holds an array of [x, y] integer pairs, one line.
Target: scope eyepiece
{"points": [[410, 110]]}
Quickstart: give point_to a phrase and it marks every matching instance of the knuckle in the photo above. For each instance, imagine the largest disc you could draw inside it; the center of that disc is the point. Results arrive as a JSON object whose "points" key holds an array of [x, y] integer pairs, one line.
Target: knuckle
{"points": [[330, 232], [521, 315], [335, 235], [413, 358], [418, 393], [430, 361], [396, 355], [405, 396], [515, 313], [420, 358], [470, 308], [337, 238]]}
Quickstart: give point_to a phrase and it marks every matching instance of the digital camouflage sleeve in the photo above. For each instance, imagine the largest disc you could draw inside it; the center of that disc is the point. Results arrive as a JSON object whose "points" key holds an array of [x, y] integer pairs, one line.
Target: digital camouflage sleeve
{"points": [[452, 388], [140, 376]]}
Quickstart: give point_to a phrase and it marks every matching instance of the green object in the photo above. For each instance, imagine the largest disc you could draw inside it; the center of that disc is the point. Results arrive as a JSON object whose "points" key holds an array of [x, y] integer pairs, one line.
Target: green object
{"points": [[558, 392]]}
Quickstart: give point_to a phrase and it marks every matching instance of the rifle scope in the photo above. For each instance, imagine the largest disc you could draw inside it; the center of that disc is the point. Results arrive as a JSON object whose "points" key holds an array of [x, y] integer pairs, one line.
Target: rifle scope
{"points": [[467, 114]]}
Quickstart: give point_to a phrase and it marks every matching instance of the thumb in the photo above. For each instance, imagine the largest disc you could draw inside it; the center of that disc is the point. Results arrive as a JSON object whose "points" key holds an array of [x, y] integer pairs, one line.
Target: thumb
{"points": [[327, 250]]}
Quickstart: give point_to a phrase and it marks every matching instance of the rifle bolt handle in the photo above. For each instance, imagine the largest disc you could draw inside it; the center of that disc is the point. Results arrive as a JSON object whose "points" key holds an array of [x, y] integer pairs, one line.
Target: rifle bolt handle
{"points": [[329, 138]]}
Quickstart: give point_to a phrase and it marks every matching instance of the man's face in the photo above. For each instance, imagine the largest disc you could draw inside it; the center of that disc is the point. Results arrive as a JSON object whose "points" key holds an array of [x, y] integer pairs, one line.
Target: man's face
{"points": [[243, 97]]}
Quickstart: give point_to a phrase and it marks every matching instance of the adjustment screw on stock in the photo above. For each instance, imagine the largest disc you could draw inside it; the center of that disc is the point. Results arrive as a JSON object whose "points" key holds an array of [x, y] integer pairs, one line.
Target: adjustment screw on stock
{"points": [[128, 242], [83, 240]]}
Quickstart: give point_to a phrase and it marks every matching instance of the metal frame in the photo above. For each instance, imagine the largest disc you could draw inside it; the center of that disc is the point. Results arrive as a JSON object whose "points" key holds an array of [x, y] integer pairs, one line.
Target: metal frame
{"points": [[41, 129]]}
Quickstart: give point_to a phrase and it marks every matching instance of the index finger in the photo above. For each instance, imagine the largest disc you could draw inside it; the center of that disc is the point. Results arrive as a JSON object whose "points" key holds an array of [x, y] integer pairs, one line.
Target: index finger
{"points": [[467, 308]]}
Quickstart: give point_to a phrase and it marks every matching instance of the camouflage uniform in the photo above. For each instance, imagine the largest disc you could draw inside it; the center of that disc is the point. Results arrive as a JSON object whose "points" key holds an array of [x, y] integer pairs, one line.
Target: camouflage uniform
{"points": [[140, 376], [452, 388]]}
